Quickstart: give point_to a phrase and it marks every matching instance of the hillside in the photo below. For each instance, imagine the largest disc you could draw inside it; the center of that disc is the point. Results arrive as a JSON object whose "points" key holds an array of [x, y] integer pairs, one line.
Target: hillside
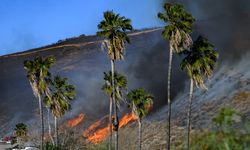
{"points": [[83, 62], [230, 87]]}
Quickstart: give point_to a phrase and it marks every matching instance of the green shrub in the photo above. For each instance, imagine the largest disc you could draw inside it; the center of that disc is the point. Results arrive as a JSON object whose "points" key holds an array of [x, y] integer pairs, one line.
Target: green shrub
{"points": [[224, 135], [50, 146]]}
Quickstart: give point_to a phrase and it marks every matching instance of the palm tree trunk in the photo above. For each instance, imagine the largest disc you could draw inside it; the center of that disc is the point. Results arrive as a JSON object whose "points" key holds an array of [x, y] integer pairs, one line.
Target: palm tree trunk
{"points": [[56, 132], [19, 143], [50, 134], [41, 118], [110, 123], [189, 113], [169, 101], [116, 124], [140, 133]]}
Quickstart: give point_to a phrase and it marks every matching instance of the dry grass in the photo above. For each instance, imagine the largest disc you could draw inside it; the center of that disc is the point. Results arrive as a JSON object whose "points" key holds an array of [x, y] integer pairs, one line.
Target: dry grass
{"points": [[154, 132], [153, 136], [241, 97]]}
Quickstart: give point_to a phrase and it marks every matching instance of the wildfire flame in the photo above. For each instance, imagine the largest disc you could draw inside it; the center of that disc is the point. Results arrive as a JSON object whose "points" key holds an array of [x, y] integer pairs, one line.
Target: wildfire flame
{"points": [[91, 128], [129, 117], [98, 136], [75, 121], [94, 134]]}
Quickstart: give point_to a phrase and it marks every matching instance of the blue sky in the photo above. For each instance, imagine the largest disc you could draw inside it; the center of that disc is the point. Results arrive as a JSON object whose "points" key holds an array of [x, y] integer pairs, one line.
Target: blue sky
{"points": [[27, 24]]}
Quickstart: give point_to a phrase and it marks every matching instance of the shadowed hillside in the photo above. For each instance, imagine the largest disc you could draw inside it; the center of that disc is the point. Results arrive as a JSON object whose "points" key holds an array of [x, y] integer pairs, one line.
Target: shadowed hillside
{"points": [[83, 62]]}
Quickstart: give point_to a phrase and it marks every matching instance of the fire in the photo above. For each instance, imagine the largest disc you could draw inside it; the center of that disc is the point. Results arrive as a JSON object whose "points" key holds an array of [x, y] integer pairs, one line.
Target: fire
{"points": [[91, 128], [95, 134], [129, 117], [98, 136], [75, 121]]}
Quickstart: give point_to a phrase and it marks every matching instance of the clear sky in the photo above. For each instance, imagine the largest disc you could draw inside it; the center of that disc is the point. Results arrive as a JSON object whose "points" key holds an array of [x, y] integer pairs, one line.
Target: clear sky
{"points": [[27, 24]]}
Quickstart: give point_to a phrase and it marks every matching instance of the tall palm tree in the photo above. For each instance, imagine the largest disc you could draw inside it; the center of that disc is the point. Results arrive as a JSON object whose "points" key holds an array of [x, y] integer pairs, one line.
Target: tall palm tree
{"points": [[199, 63], [20, 132], [61, 93], [179, 26], [37, 74], [140, 101], [121, 85], [113, 28]]}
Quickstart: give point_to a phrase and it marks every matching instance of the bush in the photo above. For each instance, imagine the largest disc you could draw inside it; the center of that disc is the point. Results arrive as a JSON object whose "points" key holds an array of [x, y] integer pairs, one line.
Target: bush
{"points": [[225, 136], [50, 146]]}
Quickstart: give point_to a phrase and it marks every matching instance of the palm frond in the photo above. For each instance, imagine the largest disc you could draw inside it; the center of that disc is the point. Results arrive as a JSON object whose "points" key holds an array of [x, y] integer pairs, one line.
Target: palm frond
{"points": [[121, 85], [200, 61], [113, 28], [38, 73], [140, 102], [179, 26], [61, 94]]}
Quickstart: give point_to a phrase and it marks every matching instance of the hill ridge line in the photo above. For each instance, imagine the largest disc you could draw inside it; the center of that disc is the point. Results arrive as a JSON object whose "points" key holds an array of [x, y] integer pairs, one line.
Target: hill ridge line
{"points": [[72, 45]]}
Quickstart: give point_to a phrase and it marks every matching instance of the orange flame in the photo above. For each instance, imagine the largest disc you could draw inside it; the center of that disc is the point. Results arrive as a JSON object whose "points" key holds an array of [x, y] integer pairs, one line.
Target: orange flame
{"points": [[129, 117], [91, 128], [94, 134], [75, 121], [98, 136]]}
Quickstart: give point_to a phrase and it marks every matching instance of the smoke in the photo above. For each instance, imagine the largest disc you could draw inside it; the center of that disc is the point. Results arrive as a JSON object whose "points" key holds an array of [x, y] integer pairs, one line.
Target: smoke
{"points": [[145, 66], [148, 70], [224, 22]]}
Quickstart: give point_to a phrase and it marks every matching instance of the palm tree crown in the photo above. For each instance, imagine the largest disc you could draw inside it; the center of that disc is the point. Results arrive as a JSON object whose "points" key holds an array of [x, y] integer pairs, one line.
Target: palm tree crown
{"points": [[200, 61], [38, 73], [120, 84], [61, 94], [114, 28], [20, 130], [140, 101], [179, 26]]}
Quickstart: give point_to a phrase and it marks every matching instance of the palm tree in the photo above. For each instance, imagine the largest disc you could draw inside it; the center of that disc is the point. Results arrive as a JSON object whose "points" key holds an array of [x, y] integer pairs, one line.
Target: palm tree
{"points": [[121, 85], [199, 63], [61, 93], [179, 26], [113, 28], [37, 74], [20, 132], [140, 101]]}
